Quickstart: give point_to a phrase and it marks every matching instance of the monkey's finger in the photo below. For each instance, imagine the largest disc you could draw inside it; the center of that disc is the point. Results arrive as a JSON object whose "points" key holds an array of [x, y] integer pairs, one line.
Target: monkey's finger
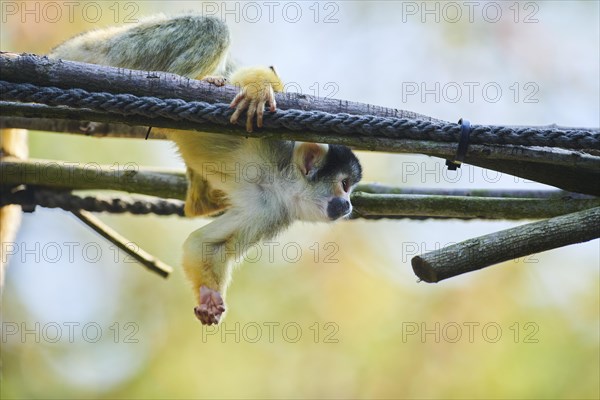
{"points": [[238, 97], [260, 109], [250, 116], [271, 99], [200, 313], [241, 106]]}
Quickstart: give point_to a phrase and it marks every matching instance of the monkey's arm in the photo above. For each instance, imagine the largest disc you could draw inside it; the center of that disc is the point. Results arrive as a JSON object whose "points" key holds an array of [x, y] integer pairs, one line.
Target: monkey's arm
{"points": [[209, 254]]}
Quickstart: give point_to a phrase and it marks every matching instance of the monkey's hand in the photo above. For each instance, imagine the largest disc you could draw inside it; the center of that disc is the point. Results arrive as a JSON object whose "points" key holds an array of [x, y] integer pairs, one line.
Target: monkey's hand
{"points": [[211, 306], [257, 87]]}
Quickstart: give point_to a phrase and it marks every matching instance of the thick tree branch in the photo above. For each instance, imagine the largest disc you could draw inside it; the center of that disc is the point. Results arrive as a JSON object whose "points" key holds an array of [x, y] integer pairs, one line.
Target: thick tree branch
{"points": [[376, 188], [30, 68], [81, 176], [78, 126], [390, 205], [483, 251]]}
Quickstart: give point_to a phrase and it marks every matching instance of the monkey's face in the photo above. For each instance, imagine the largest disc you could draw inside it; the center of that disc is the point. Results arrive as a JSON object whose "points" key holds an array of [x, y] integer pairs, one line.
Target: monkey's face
{"points": [[331, 171], [339, 206]]}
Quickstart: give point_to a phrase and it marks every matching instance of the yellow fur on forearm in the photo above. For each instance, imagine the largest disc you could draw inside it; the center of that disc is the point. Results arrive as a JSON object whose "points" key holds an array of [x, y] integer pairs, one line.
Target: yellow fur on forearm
{"points": [[258, 77]]}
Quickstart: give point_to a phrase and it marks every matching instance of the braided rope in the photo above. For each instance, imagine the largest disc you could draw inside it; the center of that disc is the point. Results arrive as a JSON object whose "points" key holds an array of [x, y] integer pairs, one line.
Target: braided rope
{"points": [[65, 200], [32, 197], [296, 120]]}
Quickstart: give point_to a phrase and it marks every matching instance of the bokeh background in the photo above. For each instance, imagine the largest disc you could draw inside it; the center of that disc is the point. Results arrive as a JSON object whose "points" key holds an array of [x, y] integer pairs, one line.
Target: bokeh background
{"points": [[348, 320]]}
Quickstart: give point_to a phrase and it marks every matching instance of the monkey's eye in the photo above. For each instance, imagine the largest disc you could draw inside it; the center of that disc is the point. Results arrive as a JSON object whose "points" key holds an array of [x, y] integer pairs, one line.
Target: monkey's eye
{"points": [[345, 185]]}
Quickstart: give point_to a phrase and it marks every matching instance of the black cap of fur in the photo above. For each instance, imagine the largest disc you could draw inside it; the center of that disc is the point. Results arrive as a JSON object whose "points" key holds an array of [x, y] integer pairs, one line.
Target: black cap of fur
{"points": [[339, 159]]}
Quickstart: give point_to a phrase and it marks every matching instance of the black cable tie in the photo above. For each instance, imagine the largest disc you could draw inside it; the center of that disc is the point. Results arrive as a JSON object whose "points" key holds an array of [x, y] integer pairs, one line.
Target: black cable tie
{"points": [[148, 133], [26, 197], [463, 145]]}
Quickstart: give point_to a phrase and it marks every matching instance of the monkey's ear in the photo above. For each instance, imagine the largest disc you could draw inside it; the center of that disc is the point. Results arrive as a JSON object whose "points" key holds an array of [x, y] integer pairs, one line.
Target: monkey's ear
{"points": [[308, 156]]}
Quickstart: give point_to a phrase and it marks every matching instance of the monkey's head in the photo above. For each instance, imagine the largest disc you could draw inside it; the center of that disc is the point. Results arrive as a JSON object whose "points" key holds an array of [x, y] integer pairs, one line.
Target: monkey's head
{"points": [[330, 173]]}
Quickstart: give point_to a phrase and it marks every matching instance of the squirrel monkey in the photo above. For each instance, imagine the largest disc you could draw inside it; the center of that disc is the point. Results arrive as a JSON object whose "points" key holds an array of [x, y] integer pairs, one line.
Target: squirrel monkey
{"points": [[262, 185]]}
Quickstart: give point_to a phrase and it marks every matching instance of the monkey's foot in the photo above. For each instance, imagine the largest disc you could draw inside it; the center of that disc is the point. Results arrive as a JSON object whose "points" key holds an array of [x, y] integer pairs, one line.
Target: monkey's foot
{"points": [[253, 100], [211, 306], [215, 80]]}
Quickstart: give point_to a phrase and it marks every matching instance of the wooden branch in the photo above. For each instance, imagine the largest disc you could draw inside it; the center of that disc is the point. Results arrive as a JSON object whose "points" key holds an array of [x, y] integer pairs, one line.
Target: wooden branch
{"points": [[385, 204], [30, 68], [23, 114], [73, 126], [144, 258], [71, 175], [172, 183], [376, 188], [76, 121], [567, 178], [390, 205], [572, 171], [43, 71], [483, 251]]}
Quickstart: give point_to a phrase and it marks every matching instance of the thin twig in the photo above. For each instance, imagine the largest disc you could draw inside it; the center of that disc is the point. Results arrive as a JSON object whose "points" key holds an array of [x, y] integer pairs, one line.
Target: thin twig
{"points": [[144, 258]]}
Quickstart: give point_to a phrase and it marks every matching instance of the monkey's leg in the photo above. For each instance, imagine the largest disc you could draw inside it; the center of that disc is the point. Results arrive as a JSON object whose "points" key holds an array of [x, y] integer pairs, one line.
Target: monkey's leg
{"points": [[208, 256], [189, 45], [201, 198]]}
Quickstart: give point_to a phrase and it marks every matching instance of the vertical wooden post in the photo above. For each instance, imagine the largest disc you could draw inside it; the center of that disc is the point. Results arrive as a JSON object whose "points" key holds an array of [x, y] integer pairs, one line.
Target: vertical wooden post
{"points": [[13, 142]]}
